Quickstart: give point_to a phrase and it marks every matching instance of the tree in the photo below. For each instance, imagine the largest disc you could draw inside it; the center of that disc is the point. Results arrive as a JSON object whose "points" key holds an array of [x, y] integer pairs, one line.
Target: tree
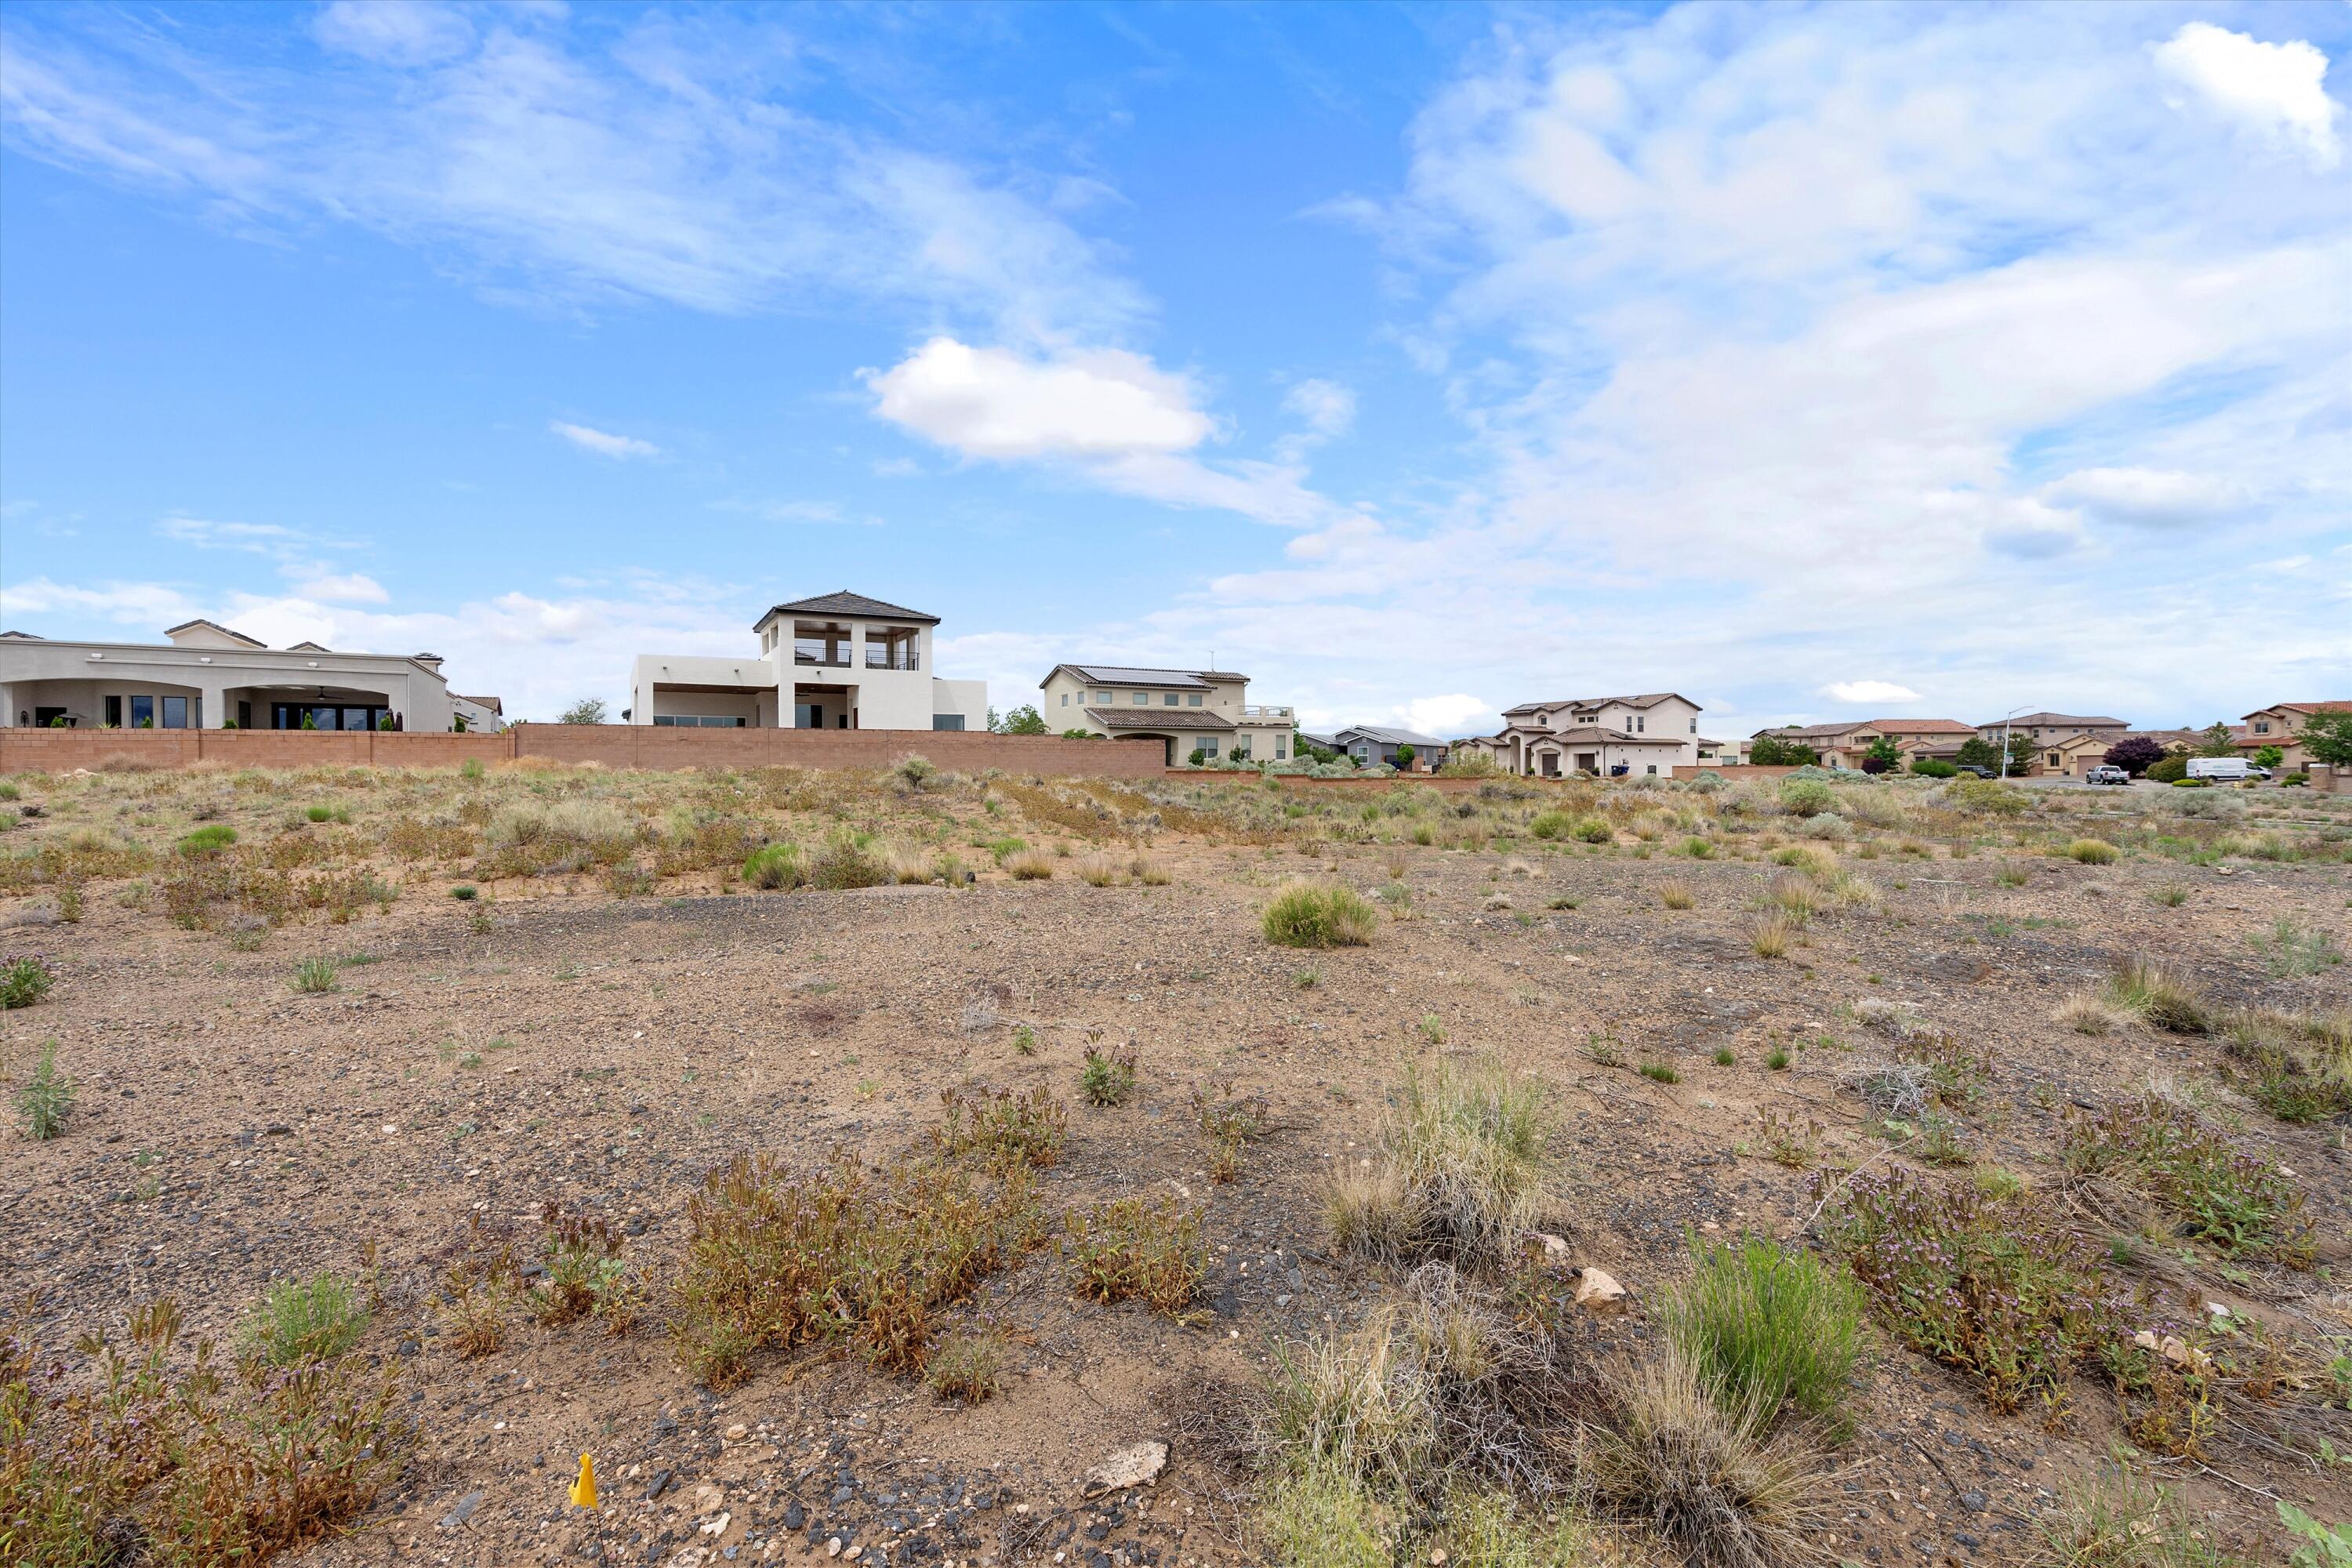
{"points": [[2135, 754], [993, 724], [1404, 757], [457, 724], [587, 711], [1080, 735], [2021, 748], [1022, 720], [1881, 756], [2170, 769], [2215, 741], [2268, 756], [1976, 752], [2327, 737], [1772, 752]]}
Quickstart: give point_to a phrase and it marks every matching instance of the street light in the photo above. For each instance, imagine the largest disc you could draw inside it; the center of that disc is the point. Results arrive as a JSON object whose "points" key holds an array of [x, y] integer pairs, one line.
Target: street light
{"points": [[2004, 737]]}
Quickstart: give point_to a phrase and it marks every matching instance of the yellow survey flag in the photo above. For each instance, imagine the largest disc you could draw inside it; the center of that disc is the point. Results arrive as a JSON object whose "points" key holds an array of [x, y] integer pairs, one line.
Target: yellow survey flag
{"points": [[583, 1490]]}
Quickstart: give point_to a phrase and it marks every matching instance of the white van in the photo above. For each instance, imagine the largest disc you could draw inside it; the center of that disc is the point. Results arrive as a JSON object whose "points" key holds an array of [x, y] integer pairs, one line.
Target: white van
{"points": [[2219, 768]]}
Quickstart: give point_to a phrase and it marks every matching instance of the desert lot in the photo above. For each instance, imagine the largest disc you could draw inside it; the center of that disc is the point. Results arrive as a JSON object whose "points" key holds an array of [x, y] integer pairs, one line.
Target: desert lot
{"points": [[481, 1122]]}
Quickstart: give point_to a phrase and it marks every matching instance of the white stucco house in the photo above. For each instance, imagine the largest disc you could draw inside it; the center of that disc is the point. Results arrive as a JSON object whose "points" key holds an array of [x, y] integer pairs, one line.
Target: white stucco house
{"points": [[205, 676], [839, 661], [1181, 711], [1646, 734]]}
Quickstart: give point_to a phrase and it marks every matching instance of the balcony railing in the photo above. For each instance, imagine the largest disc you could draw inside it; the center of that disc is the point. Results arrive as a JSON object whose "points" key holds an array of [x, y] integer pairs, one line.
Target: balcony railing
{"points": [[1252, 711], [878, 658]]}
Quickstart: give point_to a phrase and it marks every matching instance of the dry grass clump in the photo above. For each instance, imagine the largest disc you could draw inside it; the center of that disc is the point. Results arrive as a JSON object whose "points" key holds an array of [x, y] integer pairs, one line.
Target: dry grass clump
{"points": [[1459, 1174], [2094, 851], [1772, 936], [1029, 865], [2116, 1520], [1152, 1252], [2088, 1013], [969, 1366], [2146, 992], [1306, 915], [1677, 895], [1771, 1327], [2302, 1063], [1703, 1472], [2217, 1193], [865, 1256]]}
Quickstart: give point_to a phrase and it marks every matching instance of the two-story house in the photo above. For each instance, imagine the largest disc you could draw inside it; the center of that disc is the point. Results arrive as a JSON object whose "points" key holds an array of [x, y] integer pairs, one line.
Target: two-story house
{"points": [[1646, 734], [839, 661], [2281, 725], [1181, 710], [2053, 727], [1844, 746]]}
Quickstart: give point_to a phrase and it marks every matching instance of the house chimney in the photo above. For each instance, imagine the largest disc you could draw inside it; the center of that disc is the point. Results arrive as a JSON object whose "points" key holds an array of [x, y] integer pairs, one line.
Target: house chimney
{"points": [[431, 661]]}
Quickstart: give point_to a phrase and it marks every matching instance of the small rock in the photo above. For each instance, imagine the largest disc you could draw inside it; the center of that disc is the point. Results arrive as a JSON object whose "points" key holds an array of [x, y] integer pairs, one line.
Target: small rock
{"points": [[717, 1524], [737, 1432], [1598, 1292], [832, 1546], [1138, 1465], [464, 1509], [658, 1485]]}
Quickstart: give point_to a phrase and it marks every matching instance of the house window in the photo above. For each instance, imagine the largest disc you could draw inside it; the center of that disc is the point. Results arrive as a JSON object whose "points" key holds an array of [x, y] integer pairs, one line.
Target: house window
{"points": [[2261, 726], [175, 713], [142, 712], [1102, 697], [1208, 744], [1194, 699], [1653, 767], [1170, 699], [1139, 698], [1694, 729], [1281, 750], [1066, 699], [955, 720], [1642, 727], [114, 712]]}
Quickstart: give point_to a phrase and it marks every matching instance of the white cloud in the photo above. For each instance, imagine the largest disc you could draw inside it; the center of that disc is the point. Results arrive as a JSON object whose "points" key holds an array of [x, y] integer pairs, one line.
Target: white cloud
{"points": [[396, 32], [1445, 716], [602, 442], [2150, 497], [2277, 92], [342, 588], [1869, 691], [1329, 408], [991, 402]]}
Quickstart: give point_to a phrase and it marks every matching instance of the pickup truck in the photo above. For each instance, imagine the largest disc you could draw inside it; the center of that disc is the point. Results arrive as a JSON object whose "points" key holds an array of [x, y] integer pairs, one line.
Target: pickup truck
{"points": [[2105, 775]]}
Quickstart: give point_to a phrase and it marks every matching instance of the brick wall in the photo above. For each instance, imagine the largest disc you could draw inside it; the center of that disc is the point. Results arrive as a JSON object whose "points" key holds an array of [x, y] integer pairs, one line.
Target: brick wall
{"points": [[611, 745]]}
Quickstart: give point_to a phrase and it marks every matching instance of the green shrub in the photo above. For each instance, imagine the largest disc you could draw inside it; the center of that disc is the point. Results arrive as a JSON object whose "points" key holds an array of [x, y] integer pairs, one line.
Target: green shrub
{"points": [[1805, 797], [47, 1098], [1552, 824], [465, 892], [1929, 767], [23, 982], [1595, 830], [315, 974], [2093, 851], [1306, 915], [311, 1320], [1989, 797], [775, 867], [2170, 770], [1461, 1173], [210, 840], [845, 862], [1108, 1077], [1772, 1325], [2231, 1199]]}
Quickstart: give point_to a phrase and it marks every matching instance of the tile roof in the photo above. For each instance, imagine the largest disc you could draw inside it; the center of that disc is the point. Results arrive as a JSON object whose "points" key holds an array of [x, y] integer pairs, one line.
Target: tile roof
{"points": [[1135, 675], [492, 703], [1816, 732], [1922, 727], [846, 603], [1160, 719], [225, 631], [1593, 734], [1640, 700], [2027, 721], [1390, 737], [2305, 708]]}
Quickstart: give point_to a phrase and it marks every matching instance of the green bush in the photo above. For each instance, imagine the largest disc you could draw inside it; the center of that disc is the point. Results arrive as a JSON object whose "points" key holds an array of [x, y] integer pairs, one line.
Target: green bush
{"points": [[23, 982], [47, 1098], [1305, 915], [1805, 797], [209, 839], [1593, 830], [1771, 1325], [775, 865], [1552, 824], [1929, 767], [1987, 796], [311, 1319], [2171, 770], [2093, 851]]}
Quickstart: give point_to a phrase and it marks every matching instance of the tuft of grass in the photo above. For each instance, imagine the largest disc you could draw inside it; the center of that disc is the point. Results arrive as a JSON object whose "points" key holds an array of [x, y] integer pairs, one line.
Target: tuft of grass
{"points": [[1770, 1329], [1108, 1078], [465, 892], [23, 982], [1006, 1130], [1659, 1072], [210, 840], [2113, 1520], [334, 813], [1677, 895], [2290, 950], [308, 1319], [2302, 1063], [1148, 1251], [1315, 1511], [1029, 865], [46, 1100], [315, 974], [474, 1305], [1228, 1125], [2094, 851], [1771, 936], [1305, 915], [1702, 1471], [2086, 1014], [2172, 895], [775, 867], [1777, 1058], [969, 1366], [2146, 992], [1725, 1057], [1697, 848], [1459, 1174]]}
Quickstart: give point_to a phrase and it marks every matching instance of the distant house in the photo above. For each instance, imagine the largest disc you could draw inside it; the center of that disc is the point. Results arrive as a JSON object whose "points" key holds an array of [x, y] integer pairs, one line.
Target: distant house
{"points": [[485, 715], [2052, 727], [1368, 744], [2281, 725], [1180, 710], [1646, 734], [838, 661], [1844, 745]]}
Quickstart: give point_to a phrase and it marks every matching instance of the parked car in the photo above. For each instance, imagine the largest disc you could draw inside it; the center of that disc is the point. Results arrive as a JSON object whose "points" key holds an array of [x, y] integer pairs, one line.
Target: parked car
{"points": [[1977, 769], [2219, 769], [2105, 775]]}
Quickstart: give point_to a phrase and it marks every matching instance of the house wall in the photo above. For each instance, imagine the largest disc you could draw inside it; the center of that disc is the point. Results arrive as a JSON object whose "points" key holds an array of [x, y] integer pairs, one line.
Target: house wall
{"points": [[1673, 720], [95, 669], [884, 699]]}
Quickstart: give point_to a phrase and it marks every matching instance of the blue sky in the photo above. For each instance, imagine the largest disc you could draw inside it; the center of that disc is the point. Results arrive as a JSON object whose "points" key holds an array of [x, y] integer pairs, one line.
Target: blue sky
{"points": [[1814, 363]]}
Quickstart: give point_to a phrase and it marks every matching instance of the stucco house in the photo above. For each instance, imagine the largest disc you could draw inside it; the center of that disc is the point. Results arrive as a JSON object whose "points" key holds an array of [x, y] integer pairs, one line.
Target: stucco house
{"points": [[1844, 746], [207, 676], [838, 661], [1368, 743], [2053, 727], [1646, 734], [1180, 710], [2281, 725]]}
